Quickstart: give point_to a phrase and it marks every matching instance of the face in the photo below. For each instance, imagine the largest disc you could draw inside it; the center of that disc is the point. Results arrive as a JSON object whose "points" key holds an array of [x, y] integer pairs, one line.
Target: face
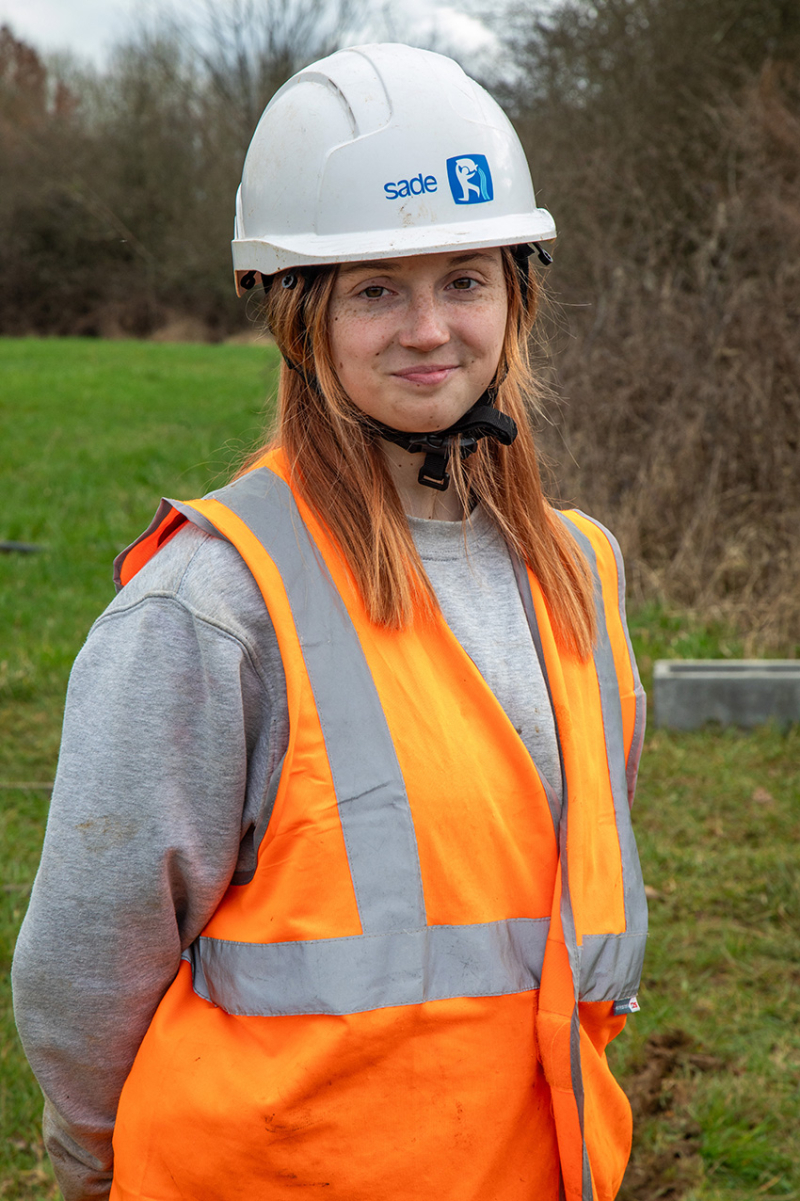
{"points": [[416, 341]]}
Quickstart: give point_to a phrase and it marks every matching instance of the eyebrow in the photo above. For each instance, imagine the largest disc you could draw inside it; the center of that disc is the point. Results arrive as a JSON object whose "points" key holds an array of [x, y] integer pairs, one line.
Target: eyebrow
{"points": [[390, 264]]}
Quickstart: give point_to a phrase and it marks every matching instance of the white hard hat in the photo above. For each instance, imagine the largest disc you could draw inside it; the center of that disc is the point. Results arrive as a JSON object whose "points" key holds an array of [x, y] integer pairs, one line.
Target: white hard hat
{"points": [[381, 151]]}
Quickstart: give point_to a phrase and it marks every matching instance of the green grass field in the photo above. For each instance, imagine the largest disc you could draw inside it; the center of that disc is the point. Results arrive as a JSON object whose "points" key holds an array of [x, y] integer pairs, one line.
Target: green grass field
{"points": [[93, 434]]}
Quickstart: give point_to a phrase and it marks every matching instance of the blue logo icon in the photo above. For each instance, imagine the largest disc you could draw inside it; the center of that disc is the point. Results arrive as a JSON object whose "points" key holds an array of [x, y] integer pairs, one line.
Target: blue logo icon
{"points": [[470, 179]]}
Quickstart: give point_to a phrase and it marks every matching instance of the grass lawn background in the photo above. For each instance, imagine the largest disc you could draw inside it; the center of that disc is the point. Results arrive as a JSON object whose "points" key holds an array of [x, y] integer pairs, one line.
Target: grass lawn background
{"points": [[92, 434]]}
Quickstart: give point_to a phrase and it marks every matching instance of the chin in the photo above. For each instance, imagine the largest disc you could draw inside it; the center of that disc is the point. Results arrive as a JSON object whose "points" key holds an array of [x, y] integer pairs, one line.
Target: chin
{"points": [[425, 421]]}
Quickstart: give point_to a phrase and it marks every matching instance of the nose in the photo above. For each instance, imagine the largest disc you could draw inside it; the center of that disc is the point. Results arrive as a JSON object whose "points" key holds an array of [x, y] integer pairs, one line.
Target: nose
{"points": [[424, 327]]}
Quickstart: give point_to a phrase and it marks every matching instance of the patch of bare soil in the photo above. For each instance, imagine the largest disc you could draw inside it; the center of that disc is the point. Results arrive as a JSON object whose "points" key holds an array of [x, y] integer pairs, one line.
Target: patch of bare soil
{"points": [[667, 1166]]}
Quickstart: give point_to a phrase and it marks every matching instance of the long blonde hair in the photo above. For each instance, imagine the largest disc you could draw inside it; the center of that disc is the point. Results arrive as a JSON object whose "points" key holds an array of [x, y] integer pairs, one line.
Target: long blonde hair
{"points": [[338, 467]]}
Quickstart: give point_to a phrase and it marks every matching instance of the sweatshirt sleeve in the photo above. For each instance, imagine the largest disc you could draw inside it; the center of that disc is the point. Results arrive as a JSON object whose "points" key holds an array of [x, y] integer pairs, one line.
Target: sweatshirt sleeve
{"points": [[168, 744]]}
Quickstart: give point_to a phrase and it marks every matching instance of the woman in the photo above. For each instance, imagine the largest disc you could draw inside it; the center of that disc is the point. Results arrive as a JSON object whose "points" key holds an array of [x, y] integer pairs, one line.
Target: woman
{"points": [[348, 760]]}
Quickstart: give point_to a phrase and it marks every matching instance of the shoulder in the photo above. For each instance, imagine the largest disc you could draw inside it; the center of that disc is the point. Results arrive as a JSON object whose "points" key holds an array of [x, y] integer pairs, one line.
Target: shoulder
{"points": [[197, 579]]}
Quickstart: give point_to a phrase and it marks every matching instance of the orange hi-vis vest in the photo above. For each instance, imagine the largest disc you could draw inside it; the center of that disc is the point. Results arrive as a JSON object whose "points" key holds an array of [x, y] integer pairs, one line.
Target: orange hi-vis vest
{"points": [[410, 996]]}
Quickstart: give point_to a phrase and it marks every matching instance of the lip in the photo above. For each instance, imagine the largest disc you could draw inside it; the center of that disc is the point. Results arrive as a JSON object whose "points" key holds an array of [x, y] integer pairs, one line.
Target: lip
{"points": [[429, 373]]}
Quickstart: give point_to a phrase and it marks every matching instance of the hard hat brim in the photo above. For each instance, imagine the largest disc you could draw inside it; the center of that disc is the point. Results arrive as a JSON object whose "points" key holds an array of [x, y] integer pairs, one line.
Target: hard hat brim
{"points": [[304, 250]]}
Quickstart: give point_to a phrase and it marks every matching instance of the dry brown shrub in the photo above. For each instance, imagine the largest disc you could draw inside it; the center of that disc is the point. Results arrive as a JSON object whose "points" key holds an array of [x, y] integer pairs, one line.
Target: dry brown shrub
{"points": [[682, 385]]}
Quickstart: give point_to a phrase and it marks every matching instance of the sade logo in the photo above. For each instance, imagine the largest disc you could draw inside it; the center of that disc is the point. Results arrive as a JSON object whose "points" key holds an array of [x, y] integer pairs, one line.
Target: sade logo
{"points": [[410, 187], [470, 179]]}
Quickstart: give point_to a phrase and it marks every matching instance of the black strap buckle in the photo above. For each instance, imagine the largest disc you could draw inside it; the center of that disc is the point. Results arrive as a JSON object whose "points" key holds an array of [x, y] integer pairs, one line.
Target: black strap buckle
{"points": [[433, 473], [481, 421]]}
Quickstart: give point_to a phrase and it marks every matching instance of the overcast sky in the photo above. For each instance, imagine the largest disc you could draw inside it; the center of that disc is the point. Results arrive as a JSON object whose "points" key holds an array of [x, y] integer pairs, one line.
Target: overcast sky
{"points": [[89, 28]]}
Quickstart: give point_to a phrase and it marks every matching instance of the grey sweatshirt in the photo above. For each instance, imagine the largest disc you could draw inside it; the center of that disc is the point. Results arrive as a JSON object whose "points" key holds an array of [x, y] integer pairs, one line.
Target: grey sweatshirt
{"points": [[174, 728]]}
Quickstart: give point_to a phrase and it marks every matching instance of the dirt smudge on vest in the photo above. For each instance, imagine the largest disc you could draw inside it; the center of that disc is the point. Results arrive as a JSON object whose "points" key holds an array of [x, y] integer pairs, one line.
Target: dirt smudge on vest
{"points": [[290, 1179], [283, 1131], [659, 1088]]}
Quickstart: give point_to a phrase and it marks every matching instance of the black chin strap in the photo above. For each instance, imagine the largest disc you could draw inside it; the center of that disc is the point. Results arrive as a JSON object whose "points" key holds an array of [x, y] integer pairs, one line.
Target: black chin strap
{"points": [[481, 421]]}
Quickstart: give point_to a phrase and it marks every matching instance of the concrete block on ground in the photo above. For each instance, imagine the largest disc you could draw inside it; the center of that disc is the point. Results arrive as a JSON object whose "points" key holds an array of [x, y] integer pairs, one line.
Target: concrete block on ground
{"points": [[687, 693]]}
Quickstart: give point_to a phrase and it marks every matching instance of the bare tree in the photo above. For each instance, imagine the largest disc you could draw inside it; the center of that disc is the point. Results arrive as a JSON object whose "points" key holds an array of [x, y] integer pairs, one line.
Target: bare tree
{"points": [[249, 48]]}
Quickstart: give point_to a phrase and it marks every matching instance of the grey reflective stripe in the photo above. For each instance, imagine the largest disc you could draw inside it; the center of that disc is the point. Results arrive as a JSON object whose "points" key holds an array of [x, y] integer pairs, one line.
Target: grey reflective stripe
{"points": [[632, 882], [587, 1191], [565, 900], [576, 1071], [637, 741], [365, 972], [370, 790], [198, 519], [613, 964]]}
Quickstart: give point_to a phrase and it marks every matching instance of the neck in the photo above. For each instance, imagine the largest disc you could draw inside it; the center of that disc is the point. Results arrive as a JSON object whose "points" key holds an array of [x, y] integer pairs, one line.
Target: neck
{"points": [[416, 499]]}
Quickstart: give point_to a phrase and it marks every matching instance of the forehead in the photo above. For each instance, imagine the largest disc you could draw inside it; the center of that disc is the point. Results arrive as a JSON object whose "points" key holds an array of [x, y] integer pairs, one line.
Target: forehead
{"points": [[421, 264]]}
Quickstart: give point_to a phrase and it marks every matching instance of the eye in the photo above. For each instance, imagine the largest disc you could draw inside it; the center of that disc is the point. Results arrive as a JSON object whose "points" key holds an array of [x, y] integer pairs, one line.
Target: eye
{"points": [[464, 283], [373, 291]]}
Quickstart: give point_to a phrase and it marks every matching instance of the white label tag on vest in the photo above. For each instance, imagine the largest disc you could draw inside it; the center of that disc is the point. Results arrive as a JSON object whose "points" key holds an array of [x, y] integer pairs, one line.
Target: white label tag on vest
{"points": [[626, 1005]]}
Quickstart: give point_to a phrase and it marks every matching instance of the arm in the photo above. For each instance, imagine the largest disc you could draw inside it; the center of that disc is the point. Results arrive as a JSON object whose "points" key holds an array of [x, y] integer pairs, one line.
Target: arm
{"points": [[165, 756]]}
